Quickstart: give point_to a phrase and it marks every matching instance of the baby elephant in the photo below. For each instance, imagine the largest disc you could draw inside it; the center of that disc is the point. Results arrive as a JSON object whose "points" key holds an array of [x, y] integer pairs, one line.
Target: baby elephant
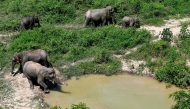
{"points": [[130, 22], [35, 72], [29, 22]]}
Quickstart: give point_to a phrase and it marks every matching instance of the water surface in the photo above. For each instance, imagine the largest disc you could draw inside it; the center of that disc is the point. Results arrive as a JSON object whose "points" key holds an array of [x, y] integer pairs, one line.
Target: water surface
{"points": [[113, 92]]}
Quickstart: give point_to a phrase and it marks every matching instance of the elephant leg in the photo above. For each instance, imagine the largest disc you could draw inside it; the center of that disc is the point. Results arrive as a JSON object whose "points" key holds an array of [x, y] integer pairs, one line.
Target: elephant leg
{"points": [[23, 62], [40, 82], [31, 27], [31, 84], [123, 25], [131, 24], [87, 21], [19, 70], [104, 23]]}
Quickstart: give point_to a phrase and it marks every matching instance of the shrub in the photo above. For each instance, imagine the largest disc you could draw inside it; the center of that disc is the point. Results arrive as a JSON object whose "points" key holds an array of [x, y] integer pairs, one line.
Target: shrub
{"points": [[166, 35], [174, 71], [79, 106], [182, 98], [102, 57], [184, 32]]}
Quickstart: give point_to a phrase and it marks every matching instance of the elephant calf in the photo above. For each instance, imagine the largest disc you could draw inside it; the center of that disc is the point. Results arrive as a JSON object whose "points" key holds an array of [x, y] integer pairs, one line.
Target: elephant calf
{"points": [[35, 72], [29, 22], [130, 22]]}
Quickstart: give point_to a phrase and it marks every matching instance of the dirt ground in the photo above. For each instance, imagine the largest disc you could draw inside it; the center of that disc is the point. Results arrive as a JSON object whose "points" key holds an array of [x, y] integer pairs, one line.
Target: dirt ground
{"points": [[22, 97]]}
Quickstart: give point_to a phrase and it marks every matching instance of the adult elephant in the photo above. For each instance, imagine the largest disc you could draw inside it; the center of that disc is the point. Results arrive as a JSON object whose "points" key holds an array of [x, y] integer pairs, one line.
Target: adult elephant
{"points": [[21, 58], [29, 22], [99, 17], [130, 22], [36, 73]]}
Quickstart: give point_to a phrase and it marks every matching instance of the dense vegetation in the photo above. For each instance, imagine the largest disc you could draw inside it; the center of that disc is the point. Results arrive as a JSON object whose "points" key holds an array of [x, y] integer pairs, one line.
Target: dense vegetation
{"points": [[92, 48], [72, 11]]}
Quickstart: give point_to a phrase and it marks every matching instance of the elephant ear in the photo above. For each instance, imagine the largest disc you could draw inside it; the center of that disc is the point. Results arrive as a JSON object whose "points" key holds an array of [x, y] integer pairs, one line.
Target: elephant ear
{"points": [[43, 73], [15, 57]]}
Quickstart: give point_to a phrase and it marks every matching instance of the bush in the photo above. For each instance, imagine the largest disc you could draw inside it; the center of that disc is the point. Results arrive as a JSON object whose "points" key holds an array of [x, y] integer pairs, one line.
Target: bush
{"points": [[182, 98], [184, 32], [174, 71], [79, 106], [102, 57], [74, 106], [166, 35]]}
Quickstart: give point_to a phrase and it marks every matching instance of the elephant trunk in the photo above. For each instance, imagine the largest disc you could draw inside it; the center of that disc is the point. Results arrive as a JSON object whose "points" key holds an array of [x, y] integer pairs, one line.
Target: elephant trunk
{"points": [[57, 81]]}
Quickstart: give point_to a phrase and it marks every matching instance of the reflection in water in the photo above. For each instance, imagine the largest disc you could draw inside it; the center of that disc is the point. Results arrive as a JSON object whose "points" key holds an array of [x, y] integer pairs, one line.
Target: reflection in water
{"points": [[113, 92]]}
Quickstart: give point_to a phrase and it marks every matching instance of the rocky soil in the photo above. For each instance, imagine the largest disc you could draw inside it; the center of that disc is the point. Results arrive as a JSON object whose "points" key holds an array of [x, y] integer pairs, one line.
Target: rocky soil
{"points": [[22, 97]]}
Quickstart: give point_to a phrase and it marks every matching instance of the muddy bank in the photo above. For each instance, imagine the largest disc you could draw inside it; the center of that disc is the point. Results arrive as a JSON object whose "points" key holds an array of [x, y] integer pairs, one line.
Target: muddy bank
{"points": [[21, 96]]}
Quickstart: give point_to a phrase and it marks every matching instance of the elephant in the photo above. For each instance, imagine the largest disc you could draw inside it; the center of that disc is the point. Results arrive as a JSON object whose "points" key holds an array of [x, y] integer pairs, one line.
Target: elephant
{"points": [[130, 22], [36, 73], [29, 22], [100, 17], [21, 58]]}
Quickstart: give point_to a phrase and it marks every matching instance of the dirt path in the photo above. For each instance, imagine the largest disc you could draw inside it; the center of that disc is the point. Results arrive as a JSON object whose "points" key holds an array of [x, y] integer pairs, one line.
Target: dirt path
{"points": [[173, 24], [22, 96], [137, 66]]}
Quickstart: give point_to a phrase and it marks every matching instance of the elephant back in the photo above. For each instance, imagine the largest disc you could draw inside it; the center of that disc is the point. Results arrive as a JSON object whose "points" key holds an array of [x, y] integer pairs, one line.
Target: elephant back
{"points": [[127, 18], [32, 65]]}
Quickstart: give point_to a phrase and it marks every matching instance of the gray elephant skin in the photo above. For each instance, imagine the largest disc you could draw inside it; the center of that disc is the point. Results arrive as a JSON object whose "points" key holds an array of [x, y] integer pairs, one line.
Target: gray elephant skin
{"points": [[29, 22], [36, 73], [100, 17], [39, 56], [130, 22]]}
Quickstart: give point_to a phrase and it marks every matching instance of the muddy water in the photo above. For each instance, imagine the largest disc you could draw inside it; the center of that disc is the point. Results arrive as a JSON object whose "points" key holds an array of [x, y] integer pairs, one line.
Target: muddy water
{"points": [[113, 92]]}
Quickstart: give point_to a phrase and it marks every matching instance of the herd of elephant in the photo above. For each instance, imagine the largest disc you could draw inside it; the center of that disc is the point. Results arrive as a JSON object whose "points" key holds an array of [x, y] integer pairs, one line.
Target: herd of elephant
{"points": [[35, 66], [97, 17]]}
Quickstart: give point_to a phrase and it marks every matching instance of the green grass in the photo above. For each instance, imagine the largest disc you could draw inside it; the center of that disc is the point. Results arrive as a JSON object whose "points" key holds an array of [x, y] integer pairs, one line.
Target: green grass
{"points": [[63, 12]]}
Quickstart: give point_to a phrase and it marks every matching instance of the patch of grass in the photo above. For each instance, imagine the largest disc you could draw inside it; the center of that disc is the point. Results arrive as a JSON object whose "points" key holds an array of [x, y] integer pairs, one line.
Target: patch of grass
{"points": [[112, 67]]}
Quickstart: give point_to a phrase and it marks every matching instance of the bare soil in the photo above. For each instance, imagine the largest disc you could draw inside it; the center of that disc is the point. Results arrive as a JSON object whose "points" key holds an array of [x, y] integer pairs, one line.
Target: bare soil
{"points": [[136, 67], [22, 97]]}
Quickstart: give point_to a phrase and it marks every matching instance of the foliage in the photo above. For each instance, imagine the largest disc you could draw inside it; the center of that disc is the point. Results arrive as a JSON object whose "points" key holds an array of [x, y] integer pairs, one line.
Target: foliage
{"points": [[166, 35], [184, 32], [182, 98], [72, 11], [169, 64], [184, 46], [56, 107], [74, 106], [174, 71], [112, 67], [79, 106], [75, 44], [157, 49], [3, 52], [102, 57]]}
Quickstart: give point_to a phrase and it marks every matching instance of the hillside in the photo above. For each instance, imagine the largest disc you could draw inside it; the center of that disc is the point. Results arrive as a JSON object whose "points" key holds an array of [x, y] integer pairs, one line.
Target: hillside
{"points": [[160, 48]]}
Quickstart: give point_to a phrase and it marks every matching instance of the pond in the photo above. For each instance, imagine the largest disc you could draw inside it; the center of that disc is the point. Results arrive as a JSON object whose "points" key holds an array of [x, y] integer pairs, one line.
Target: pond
{"points": [[123, 91]]}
